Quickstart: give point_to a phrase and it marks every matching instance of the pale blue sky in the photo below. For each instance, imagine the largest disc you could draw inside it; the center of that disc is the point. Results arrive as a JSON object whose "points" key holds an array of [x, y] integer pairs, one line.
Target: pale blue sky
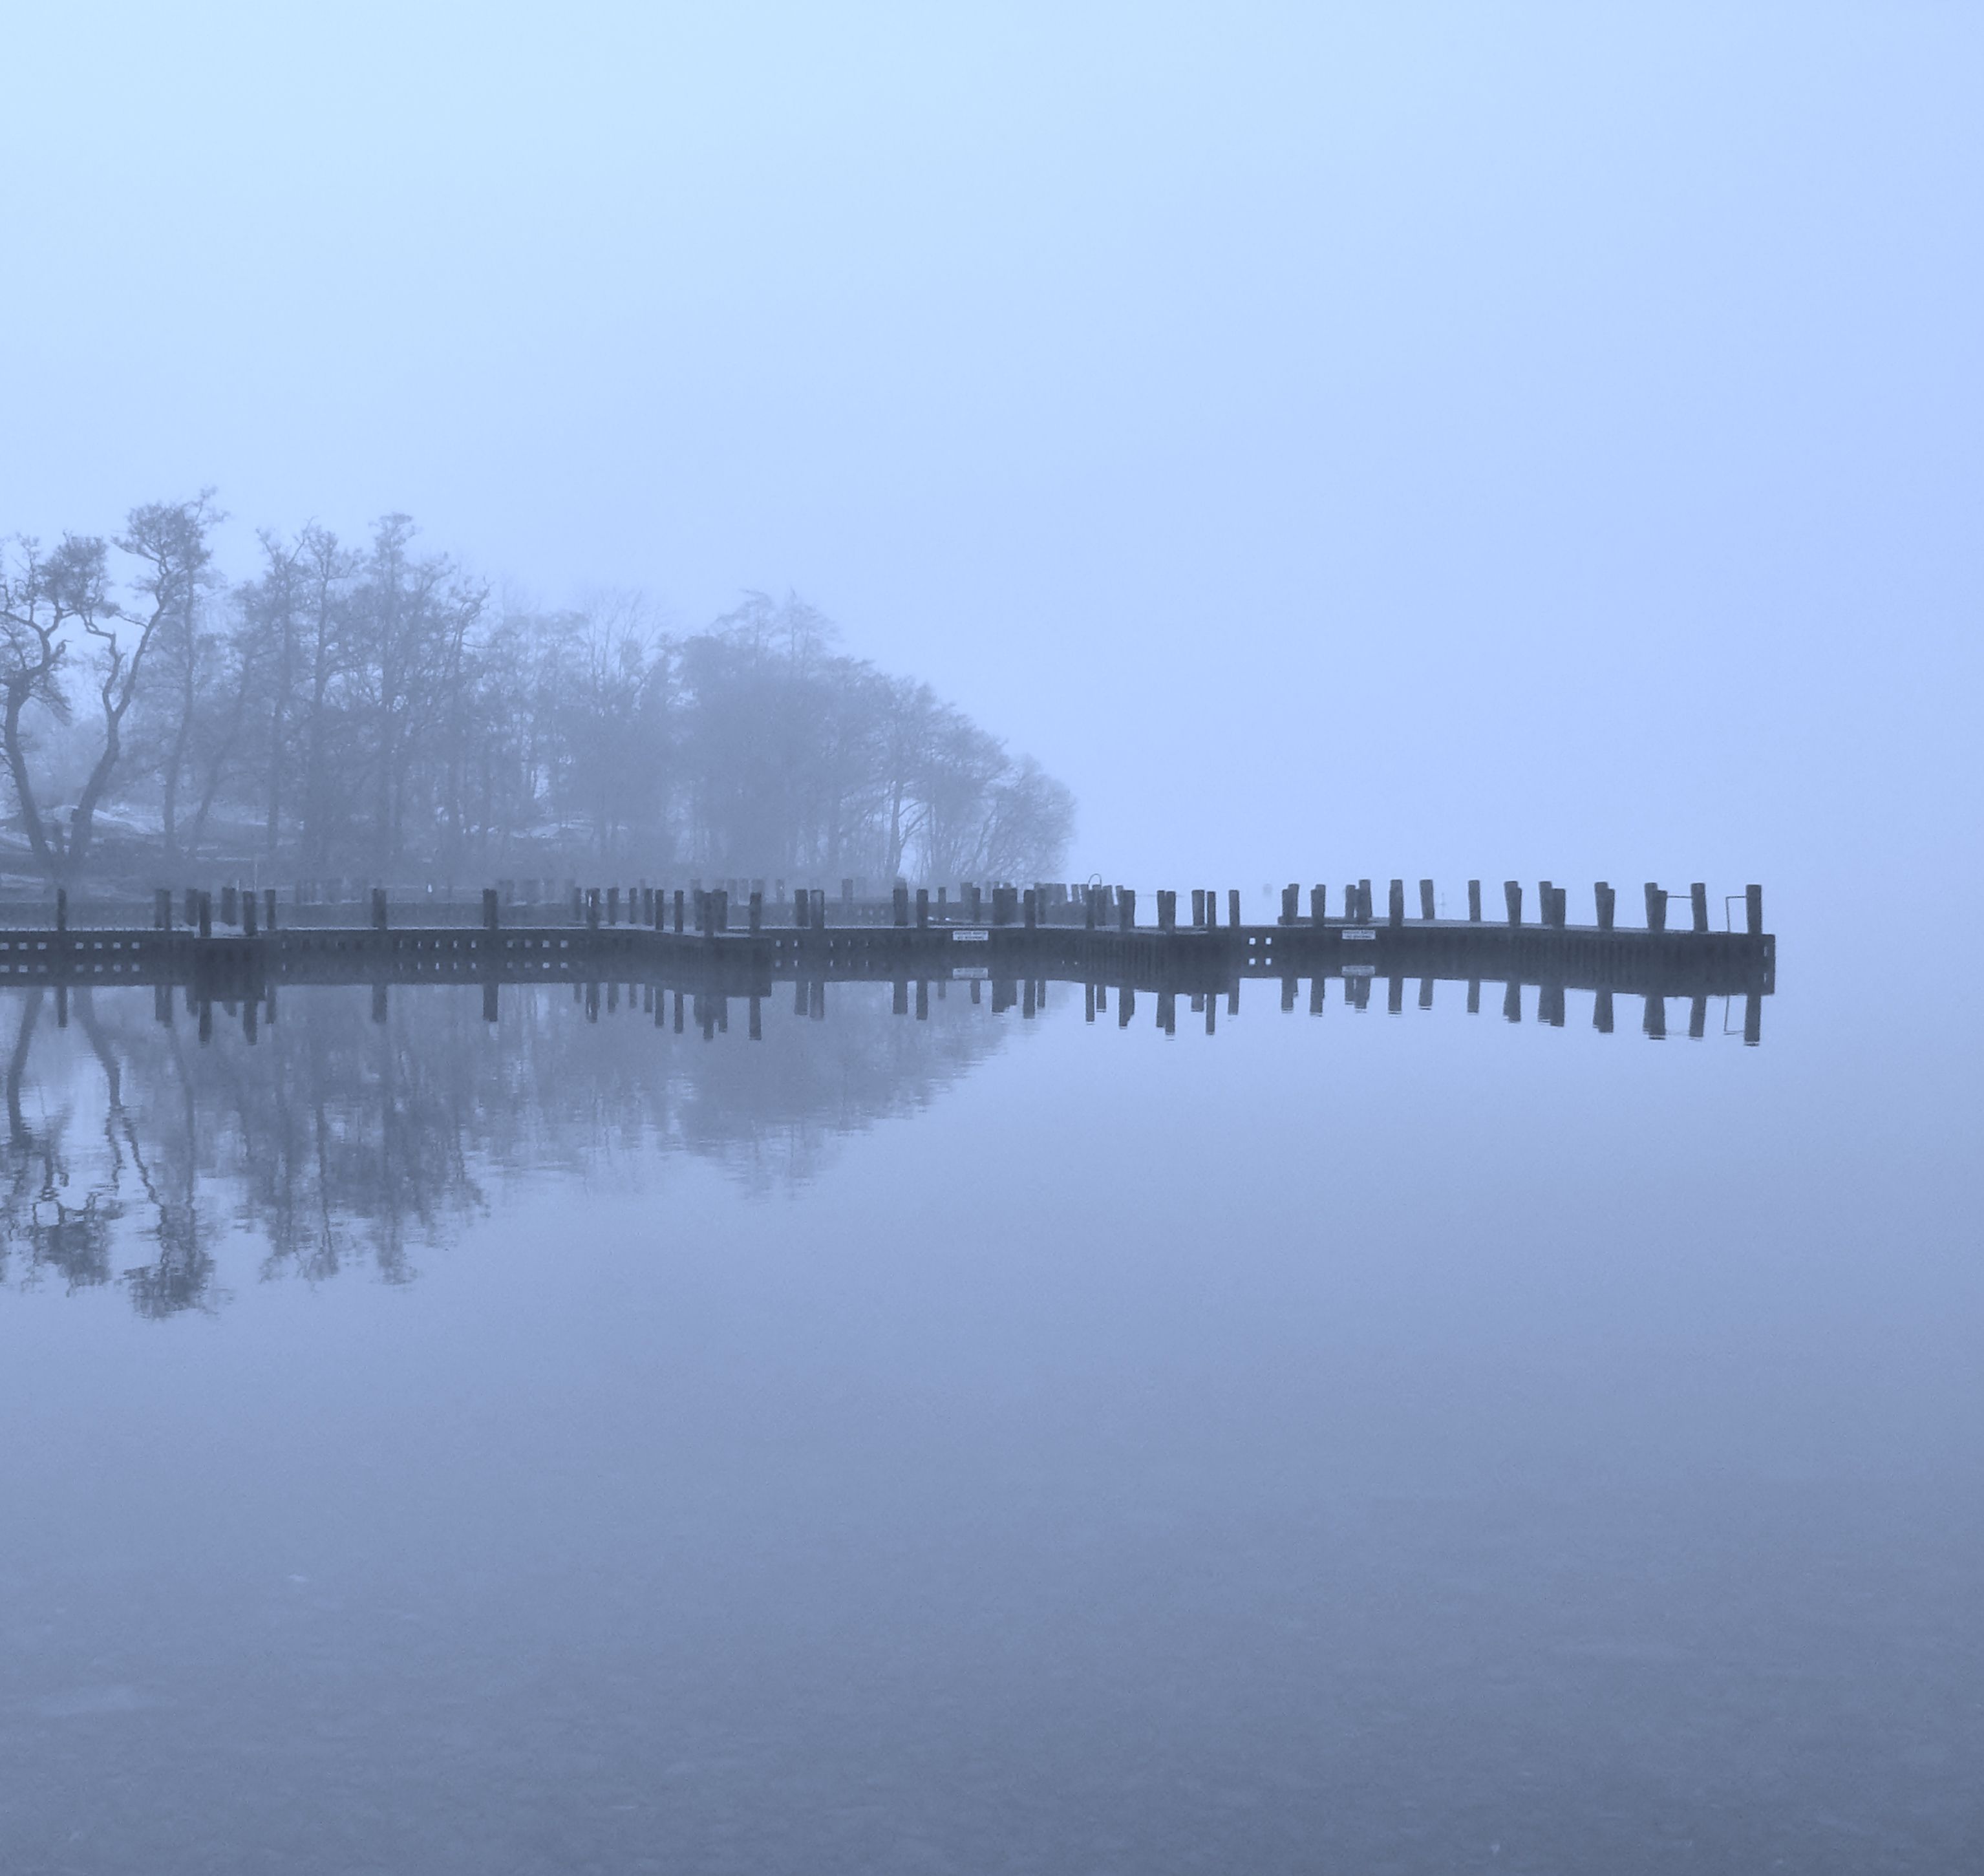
{"points": [[1409, 439]]}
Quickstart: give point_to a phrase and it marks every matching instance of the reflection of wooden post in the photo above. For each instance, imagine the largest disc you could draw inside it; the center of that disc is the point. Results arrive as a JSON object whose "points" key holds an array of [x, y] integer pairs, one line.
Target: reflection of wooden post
{"points": [[1474, 901], [1549, 1005], [1316, 981], [161, 1004], [1605, 897], [1697, 901], [1425, 993], [1395, 993], [899, 1003], [1089, 1003], [1657, 908], [1126, 1006], [757, 1017], [1601, 1013], [379, 1002], [489, 1011], [1426, 900], [1287, 996], [1697, 1018], [1512, 1001], [1473, 996], [1167, 1012], [1655, 1021], [1753, 1019], [206, 1019], [1212, 1015], [1027, 1000]]}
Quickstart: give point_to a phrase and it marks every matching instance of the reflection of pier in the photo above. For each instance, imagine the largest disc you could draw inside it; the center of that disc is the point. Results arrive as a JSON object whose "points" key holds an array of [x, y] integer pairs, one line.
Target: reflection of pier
{"points": [[1023, 949]]}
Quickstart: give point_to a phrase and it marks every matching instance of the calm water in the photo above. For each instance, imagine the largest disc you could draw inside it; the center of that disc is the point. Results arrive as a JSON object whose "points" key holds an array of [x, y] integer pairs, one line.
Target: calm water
{"points": [[1349, 1442]]}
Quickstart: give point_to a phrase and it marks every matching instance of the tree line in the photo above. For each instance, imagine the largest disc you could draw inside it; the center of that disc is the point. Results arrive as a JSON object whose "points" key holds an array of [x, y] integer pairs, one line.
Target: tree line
{"points": [[371, 709]]}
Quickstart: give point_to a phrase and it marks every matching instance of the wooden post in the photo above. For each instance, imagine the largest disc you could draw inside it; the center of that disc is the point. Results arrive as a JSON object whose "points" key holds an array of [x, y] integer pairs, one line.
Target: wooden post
{"points": [[1197, 908], [1364, 900], [379, 1002], [491, 913], [1291, 904], [1032, 900], [268, 918], [378, 908], [248, 915], [1426, 900], [678, 911], [192, 905], [1318, 900], [592, 908], [1604, 896], [900, 895], [819, 913], [1167, 910], [1474, 901], [577, 906], [1395, 904], [1126, 908], [1697, 900], [1657, 908], [230, 906], [1753, 910], [1089, 897], [1350, 902], [1233, 907], [162, 909], [613, 905], [61, 908], [923, 908], [1512, 891], [756, 904], [720, 919], [203, 910], [1551, 905]]}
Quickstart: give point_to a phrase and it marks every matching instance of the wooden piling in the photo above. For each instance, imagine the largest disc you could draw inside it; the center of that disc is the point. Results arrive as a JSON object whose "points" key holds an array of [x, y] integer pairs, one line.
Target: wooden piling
{"points": [[1126, 908], [679, 919], [1426, 900], [490, 1010], [1291, 903], [230, 905], [61, 908], [1604, 896], [1697, 901], [268, 921], [1512, 892], [1233, 907], [1395, 904], [923, 908], [756, 906], [899, 900], [1364, 900], [203, 911], [248, 915], [1656, 908], [162, 909], [1753, 910], [1474, 902], [1319, 903], [1031, 899], [1198, 908], [492, 914]]}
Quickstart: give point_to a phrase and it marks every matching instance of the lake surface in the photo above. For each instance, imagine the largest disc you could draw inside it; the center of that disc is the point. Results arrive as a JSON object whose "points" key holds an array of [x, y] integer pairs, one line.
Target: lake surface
{"points": [[1350, 1441]]}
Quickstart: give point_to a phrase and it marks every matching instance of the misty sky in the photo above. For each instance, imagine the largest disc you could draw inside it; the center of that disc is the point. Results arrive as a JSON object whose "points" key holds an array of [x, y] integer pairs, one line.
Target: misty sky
{"points": [[1454, 439]]}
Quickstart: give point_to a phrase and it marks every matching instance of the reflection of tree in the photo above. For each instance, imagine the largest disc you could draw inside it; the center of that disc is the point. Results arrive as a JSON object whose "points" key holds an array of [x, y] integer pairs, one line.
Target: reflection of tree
{"points": [[336, 1138]]}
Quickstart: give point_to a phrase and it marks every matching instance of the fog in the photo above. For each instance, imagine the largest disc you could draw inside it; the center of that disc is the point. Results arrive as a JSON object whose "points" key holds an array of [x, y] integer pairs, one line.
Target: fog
{"points": [[758, 1393], [1320, 436]]}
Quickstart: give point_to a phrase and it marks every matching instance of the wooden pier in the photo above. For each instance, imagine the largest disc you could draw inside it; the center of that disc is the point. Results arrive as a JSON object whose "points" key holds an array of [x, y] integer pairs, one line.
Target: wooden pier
{"points": [[684, 943]]}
